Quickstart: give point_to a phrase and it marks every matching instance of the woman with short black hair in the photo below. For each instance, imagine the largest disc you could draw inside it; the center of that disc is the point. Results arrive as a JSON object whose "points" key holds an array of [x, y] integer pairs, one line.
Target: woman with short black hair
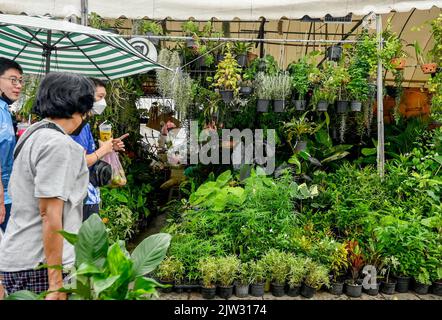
{"points": [[48, 184]]}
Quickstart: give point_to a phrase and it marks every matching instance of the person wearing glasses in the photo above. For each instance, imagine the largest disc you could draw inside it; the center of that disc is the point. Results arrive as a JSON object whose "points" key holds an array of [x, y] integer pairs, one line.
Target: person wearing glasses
{"points": [[11, 82]]}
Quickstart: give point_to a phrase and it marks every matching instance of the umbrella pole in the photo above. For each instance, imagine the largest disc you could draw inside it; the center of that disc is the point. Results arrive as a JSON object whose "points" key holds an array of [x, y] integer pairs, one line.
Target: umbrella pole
{"points": [[47, 52]]}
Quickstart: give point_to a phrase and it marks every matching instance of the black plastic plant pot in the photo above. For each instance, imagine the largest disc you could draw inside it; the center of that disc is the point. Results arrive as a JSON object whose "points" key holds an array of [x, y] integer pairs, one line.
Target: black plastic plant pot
{"points": [[388, 287], [242, 290], [334, 53], [278, 105], [208, 293], [307, 291], [263, 105], [294, 291], [154, 41], [353, 290], [219, 57], [245, 90], [278, 290], [356, 106], [436, 288], [190, 43], [322, 106], [262, 66], [225, 292], [337, 288], [342, 106], [421, 288], [300, 104], [372, 291], [226, 95], [178, 289], [402, 284], [242, 60], [257, 289]]}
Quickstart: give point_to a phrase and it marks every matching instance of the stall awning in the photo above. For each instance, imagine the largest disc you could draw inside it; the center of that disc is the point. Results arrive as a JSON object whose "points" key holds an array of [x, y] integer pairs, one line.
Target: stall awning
{"points": [[207, 9]]}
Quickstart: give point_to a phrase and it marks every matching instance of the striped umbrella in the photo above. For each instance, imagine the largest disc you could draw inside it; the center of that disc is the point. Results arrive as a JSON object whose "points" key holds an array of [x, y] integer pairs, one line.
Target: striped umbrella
{"points": [[41, 45]]}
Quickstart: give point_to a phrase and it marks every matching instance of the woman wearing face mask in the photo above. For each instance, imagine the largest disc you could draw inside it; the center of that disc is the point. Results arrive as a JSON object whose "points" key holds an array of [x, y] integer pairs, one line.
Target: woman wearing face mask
{"points": [[83, 136], [47, 186]]}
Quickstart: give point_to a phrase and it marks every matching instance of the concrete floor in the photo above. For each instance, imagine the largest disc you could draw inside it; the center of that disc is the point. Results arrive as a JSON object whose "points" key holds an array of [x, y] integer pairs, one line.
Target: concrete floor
{"points": [[318, 296]]}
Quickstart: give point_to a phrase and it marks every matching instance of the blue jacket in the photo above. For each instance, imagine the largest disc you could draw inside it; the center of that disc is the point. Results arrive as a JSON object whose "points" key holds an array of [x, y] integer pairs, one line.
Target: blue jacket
{"points": [[7, 145]]}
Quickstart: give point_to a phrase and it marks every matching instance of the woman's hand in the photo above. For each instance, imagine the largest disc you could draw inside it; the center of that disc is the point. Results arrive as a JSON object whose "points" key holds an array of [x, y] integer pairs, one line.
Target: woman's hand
{"points": [[118, 144]]}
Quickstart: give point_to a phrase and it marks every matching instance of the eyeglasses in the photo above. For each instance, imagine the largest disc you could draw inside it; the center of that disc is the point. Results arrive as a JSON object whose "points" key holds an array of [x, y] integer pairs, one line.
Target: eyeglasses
{"points": [[15, 81]]}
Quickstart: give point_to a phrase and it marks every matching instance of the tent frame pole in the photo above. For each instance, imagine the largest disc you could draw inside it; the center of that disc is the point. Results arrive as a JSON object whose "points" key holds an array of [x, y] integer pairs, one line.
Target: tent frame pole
{"points": [[380, 105]]}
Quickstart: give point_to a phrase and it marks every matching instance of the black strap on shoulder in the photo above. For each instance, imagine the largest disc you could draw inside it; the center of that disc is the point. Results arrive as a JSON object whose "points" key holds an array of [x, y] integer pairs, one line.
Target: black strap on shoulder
{"points": [[48, 125]]}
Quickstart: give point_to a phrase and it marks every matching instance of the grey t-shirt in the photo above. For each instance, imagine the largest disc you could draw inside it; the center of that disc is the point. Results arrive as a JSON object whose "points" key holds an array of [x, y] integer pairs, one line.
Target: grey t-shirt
{"points": [[50, 165]]}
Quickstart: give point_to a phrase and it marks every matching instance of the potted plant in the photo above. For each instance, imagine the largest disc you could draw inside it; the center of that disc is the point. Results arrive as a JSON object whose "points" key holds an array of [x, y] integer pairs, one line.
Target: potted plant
{"points": [[373, 258], [317, 276], [392, 53], [426, 67], [190, 29], [208, 269], [227, 76], [299, 128], [281, 91], [334, 52], [257, 278], [263, 90], [423, 281], [243, 282], [326, 88], [246, 85], [241, 50], [300, 75], [388, 285], [151, 28], [340, 78], [357, 86], [169, 271], [296, 275], [353, 286], [338, 266], [228, 268], [276, 263]]}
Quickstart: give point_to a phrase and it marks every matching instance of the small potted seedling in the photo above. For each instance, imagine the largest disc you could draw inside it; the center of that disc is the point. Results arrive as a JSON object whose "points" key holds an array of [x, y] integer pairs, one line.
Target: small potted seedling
{"points": [[388, 285], [208, 269], [227, 273]]}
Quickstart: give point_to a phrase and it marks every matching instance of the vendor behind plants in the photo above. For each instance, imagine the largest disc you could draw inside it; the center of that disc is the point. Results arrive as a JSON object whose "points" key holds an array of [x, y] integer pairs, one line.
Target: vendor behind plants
{"points": [[83, 136]]}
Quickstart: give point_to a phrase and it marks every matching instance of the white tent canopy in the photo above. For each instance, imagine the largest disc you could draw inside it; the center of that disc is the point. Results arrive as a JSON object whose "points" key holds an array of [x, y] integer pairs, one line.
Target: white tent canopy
{"points": [[207, 9]]}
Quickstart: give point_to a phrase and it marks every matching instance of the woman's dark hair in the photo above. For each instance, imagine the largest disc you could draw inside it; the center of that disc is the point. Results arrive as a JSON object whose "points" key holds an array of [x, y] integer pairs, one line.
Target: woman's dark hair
{"points": [[6, 64], [98, 82], [60, 95]]}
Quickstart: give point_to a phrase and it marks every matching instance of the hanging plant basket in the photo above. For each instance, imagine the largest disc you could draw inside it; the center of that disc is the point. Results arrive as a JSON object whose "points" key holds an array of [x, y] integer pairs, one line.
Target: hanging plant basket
{"points": [[251, 56], [334, 53], [429, 68], [263, 105], [322, 106], [242, 60], [300, 104], [190, 43], [226, 95], [398, 63], [219, 57], [246, 90], [278, 105], [342, 106], [356, 106], [154, 41]]}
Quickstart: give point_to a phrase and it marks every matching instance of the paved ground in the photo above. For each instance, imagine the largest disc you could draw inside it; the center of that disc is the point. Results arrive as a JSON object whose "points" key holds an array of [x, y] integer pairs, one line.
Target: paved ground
{"points": [[317, 296]]}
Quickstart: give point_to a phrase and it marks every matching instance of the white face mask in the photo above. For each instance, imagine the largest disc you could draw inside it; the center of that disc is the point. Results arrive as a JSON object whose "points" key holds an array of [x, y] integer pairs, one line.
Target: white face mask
{"points": [[99, 106]]}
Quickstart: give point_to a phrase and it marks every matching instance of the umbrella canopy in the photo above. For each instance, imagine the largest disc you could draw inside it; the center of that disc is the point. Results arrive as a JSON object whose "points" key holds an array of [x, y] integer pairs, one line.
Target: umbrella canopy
{"points": [[41, 45]]}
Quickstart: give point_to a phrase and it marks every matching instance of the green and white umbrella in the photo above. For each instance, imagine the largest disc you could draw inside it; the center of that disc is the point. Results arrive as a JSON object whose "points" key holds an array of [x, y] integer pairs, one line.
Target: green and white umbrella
{"points": [[41, 45]]}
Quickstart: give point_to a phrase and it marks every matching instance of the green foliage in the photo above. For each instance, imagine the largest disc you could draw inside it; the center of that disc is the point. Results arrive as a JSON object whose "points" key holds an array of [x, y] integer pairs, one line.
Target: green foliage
{"points": [[228, 268], [120, 222], [228, 73], [317, 275], [171, 269], [277, 265], [241, 48], [266, 65], [257, 272], [301, 74], [208, 268], [145, 26], [297, 270], [106, 272]]}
